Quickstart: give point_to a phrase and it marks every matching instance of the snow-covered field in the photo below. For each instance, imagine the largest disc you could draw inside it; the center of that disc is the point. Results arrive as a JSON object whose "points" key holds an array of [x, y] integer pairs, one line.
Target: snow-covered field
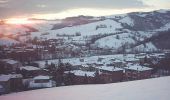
{"points": [[150, 89]]}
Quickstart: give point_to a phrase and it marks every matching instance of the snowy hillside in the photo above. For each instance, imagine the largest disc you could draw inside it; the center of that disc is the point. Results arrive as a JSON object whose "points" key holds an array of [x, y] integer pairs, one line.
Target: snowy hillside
{"points": [[146, 47], [127, 20], [115, 41], [106, 26], [150, 89]]}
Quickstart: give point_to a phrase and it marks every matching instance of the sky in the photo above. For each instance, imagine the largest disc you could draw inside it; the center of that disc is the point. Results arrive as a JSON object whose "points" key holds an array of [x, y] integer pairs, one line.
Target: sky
{"points": [[58, 9]]}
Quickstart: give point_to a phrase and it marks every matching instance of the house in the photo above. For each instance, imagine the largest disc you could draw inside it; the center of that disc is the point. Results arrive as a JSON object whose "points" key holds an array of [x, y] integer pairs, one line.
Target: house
{"points": [[167, 54], [141, 57], [133, 72], [114, 62], [119, 63], [41, 82], [9, 65], [81, 60], [82, 77], [5, 83], [100, 59], [16, 82], [31, 71], [10, 82], [110, 74], [132, 60], [23, 54], [158, 56], [2, 89], [45, 55], [97, 64], [86, 67]]}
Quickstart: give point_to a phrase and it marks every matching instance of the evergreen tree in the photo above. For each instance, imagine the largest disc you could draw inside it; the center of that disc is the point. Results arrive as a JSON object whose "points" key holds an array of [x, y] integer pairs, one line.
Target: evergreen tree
{"points": [[69, 80], [97, 77], [85, 81]]}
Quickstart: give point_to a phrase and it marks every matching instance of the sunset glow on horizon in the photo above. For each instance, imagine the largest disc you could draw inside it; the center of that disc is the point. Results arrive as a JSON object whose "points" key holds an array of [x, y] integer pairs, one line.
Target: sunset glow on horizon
{"points": [[18, 21]]}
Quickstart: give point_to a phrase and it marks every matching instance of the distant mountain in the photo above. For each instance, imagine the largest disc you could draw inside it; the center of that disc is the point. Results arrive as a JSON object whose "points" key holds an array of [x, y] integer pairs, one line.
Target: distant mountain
{"points": [[73, 21], [149, 20]]}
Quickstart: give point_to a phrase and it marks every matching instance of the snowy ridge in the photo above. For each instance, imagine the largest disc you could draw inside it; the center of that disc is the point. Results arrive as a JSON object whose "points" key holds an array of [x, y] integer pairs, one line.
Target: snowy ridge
{"points": [[134, 90]]}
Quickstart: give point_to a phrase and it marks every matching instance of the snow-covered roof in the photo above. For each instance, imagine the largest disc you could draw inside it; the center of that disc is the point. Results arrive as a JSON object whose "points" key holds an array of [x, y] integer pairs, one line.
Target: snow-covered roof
{"points": [[132, 59], [117, 61], [12, 62], [140, 57], [85, 65], [41, 77], [9, 61], [110, 68], [138, 68], [81, 73], [16, 76], [4, 78], [29, 68]]}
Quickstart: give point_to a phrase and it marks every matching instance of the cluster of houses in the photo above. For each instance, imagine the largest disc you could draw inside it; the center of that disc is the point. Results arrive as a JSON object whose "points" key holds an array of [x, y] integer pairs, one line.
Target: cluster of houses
{"points": [[110, 71], [15, 76], [41, 50]]}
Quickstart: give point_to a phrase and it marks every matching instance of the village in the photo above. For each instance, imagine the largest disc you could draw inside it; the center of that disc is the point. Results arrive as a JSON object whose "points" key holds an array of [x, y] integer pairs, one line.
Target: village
{"points": [[45, 65]]}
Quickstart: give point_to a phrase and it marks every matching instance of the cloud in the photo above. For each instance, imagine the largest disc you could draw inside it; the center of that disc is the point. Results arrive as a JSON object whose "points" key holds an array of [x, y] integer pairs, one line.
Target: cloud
{"points": [[41, 6], [3, 1], [26, 7]]}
